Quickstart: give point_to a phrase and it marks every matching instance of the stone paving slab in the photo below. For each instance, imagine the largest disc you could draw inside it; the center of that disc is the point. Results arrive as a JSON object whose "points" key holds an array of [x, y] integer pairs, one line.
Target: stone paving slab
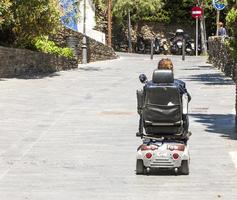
{"points": [[72, 135]]}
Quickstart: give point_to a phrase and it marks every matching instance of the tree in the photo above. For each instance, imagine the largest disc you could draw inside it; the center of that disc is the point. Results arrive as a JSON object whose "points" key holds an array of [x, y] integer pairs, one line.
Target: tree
{"points": [[23, 20], [5, 14], [101, 15], [34, 18], [141, 10]]}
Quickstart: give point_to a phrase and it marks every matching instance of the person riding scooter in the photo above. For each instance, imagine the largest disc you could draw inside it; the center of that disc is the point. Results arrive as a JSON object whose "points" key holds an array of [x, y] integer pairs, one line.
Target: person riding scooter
{"points": [[164, 64]]}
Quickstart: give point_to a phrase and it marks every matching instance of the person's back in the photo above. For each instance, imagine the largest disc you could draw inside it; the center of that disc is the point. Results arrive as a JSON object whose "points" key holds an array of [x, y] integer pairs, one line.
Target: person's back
{"points": [[221, 30]]}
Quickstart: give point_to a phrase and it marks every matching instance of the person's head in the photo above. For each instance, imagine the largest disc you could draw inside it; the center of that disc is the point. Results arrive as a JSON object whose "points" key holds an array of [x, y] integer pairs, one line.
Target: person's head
{"points": [[165, 63], [221, 24]]}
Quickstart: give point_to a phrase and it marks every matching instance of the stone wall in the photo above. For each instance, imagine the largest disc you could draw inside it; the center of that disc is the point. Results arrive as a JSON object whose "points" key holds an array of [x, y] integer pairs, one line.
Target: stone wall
{"points": [[21, 62], [95, 51], [166, 29], [220, 56], [148, 30]]}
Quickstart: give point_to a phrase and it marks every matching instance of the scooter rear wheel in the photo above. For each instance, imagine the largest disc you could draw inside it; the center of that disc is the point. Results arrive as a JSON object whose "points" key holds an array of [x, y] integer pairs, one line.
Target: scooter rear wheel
{"points": [[139, 167], [184, 169]]}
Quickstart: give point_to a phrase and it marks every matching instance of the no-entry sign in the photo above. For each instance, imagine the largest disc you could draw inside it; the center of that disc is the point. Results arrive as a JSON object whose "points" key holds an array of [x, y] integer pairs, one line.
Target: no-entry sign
{"points": [[197, 12]]}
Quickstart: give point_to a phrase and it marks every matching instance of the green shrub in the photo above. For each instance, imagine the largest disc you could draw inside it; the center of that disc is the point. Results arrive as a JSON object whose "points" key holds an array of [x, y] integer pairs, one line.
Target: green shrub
{"points": [[44, 45], [231, 20]]}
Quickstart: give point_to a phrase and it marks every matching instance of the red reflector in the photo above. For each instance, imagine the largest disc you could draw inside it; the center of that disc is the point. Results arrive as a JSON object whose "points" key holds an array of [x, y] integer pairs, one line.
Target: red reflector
{"points": [[150, 147], [175, 156], [179, 147], [148, 155]]}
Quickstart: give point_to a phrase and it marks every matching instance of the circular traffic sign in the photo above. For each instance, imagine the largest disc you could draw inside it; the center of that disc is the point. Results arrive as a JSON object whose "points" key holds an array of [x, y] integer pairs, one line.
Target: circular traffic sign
{"points": [[219, 4], [197, 12]]}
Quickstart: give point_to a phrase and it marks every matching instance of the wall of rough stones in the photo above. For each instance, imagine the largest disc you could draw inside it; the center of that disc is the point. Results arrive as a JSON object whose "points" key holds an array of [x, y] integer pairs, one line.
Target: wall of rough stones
{"points": [[96, 51], [220, 56], [148, 30], [21, 62]]}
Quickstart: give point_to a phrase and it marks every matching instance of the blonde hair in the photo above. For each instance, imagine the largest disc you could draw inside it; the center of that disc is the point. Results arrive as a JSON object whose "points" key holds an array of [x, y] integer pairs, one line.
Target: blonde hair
{"points": [[165, 63]]}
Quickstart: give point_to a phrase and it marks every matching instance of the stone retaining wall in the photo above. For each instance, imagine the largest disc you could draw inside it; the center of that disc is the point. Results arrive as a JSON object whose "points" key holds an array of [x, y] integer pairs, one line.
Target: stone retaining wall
{"points": [[220, 56], [95, 50], [21, 62]]}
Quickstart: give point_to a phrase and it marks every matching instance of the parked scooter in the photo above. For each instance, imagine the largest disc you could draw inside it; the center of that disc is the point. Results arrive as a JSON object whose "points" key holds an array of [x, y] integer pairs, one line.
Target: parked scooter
{"points": [[189, 45], [164, 46], [157, 45], [160, 46], [140, 48], [176, 42]]}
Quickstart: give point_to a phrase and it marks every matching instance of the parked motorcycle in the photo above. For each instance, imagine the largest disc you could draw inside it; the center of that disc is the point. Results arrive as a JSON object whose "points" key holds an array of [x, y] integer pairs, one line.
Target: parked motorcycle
{"points": [[157, 45], [140, 48], [176, 42], [189, 45]]}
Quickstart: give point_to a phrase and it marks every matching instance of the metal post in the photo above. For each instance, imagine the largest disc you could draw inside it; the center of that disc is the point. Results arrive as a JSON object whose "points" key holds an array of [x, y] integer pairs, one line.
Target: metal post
{"points": [[217, 21], [152, 49], [109, 24], [196, 36], [129, 33], [84, 43], [183, 49]]}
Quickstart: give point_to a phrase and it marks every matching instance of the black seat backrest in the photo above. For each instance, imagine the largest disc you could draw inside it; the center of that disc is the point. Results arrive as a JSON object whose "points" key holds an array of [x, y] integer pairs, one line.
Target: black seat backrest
{"points": [[163, 91], [163, 95], [163, 76]]}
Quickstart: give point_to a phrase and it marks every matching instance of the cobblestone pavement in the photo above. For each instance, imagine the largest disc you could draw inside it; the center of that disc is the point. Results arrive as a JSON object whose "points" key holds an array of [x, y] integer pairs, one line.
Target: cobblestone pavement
{"points": [[71, 136]]}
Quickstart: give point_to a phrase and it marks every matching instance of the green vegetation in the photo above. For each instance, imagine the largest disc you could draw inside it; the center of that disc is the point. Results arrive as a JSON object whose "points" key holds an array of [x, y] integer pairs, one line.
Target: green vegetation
{"points": [[5, 15], [141, 10], [101, 15], [44, 45], [231, 21], [24, 20]]}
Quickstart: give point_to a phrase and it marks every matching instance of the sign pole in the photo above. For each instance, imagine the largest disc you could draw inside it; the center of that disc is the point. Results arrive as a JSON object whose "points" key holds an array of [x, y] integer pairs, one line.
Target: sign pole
{"points": [[197, 34], [217, 21]]}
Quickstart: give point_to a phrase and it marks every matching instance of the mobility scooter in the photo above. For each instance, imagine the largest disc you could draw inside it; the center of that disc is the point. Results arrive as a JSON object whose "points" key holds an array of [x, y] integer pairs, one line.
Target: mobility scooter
{"points": [[164, 117]]}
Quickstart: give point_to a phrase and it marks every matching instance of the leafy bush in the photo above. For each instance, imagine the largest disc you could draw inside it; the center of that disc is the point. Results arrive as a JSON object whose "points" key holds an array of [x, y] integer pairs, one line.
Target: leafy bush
{"points": [[44, 45], [231, 20], [25, 19], [5, 15]]}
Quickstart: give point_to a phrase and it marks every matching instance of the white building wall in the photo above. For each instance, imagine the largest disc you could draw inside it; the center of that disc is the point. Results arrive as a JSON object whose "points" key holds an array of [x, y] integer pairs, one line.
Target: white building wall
{"points": [[90, 22]]}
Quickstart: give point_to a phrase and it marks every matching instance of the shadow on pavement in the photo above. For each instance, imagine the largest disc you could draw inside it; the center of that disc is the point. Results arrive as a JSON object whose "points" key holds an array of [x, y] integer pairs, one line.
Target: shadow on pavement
{"points": [[90, 69], [218, 123], [161, 172], [38, 76], [211, 79], [203, 67]]}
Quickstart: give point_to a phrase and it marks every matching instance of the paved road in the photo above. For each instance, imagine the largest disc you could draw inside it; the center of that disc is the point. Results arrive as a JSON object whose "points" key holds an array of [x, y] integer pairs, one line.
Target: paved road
{"points": [[71, 136]]}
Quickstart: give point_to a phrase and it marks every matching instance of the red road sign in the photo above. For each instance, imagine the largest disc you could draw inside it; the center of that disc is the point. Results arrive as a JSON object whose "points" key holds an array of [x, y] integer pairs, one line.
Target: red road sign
{"points": [[197, 12]]}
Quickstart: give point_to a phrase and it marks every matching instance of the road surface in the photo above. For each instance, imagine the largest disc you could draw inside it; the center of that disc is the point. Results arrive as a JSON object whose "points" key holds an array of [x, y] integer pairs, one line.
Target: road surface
{"points": [[71, 135]]}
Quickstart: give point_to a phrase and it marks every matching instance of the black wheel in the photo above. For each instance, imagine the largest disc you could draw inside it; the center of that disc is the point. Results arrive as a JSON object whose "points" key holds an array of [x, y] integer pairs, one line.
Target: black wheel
{"points": [[139, 167], [184, 169]]}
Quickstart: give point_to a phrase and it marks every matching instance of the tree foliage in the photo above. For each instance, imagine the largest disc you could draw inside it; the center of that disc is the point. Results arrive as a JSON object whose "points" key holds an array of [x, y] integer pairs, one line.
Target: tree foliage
{"points": [[5, 14], [140, 10], [28, 19], [101, 15], [34, 18]]}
